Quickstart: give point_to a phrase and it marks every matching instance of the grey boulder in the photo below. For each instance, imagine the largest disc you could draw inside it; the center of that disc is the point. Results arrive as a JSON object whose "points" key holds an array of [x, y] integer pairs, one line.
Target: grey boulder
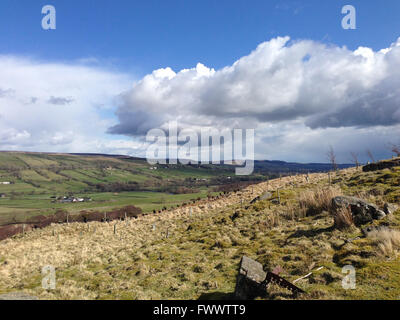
{"points": [[362, 211]]}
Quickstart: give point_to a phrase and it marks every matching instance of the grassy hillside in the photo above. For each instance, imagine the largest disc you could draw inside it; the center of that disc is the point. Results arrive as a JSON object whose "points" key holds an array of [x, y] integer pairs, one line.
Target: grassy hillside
{"points": [[37, 179], [192, 254], [38, 173]]}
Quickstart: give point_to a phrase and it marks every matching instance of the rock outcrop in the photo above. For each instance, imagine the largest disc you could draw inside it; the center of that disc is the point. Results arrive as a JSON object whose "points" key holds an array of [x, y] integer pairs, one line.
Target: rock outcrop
{"points": [[362, 211], [382, 165]]}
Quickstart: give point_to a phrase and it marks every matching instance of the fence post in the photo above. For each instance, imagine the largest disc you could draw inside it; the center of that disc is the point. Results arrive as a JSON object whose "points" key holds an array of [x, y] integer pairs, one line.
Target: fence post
{"points": [[279, 196], [115, 228]]}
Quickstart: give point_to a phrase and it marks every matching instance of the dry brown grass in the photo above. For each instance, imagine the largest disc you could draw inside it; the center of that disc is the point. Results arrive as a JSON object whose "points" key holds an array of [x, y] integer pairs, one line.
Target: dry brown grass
{"points": [[387, 241], [343, 218], [291, 212], [313, 202]]}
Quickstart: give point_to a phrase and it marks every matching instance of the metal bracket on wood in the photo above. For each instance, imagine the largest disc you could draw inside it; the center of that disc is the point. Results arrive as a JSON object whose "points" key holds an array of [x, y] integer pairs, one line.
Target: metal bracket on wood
{"points": [[274, 278]]}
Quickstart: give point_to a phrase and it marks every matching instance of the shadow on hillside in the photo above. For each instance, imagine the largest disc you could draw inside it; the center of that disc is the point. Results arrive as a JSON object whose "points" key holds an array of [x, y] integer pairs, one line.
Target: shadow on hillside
{"points": [[216, 296], [309, 233]]}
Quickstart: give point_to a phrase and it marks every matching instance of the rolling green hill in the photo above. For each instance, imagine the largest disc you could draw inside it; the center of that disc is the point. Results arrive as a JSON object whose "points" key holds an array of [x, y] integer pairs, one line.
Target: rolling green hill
{"points": [[54, 173], [35, 180]]}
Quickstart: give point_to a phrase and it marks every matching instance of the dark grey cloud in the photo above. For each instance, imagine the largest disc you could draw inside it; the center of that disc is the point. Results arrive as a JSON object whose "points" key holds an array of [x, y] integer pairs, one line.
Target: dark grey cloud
{"points": [[135, 123], [33, 100], [379, 106], [60, 101], [5, 92]]}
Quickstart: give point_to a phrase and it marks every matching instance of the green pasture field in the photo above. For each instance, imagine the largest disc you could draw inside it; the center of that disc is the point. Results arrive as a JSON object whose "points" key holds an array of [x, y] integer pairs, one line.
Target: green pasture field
{"points": [[29, 205]]}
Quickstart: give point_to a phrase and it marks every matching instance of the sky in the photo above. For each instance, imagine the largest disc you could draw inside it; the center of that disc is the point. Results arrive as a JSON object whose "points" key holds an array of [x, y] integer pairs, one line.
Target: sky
{"points": [[113, 70]]}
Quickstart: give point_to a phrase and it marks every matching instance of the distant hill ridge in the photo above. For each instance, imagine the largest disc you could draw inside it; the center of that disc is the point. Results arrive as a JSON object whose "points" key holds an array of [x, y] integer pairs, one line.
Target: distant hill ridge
{"points": [[274, 165]]}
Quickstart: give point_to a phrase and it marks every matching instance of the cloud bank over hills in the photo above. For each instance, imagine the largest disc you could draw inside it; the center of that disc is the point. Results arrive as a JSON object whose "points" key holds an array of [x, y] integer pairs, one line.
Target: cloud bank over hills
{"points": [[300, 96]]}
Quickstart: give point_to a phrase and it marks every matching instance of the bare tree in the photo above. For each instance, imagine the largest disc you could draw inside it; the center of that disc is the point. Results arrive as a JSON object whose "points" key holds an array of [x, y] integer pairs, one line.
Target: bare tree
{"points": [[354, 157], [332, 158], [395, 148], [370, 155]]}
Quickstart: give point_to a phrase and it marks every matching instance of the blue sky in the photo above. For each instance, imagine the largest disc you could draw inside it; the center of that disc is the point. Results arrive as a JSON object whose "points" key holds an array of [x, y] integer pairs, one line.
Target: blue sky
{"points": [[97, 42], [147, 35]]}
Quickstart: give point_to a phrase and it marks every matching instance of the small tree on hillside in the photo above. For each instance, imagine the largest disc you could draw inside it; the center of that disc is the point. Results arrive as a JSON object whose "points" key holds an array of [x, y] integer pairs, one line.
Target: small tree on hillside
{"points": [[354, 157], [370, 155], [395, 148], [332, 158]]}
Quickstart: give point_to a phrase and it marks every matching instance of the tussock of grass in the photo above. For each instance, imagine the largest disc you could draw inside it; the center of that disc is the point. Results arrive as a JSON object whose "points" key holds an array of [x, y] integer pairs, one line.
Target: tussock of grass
{"points": [[343, 218], [313, 202], [387, 241]]}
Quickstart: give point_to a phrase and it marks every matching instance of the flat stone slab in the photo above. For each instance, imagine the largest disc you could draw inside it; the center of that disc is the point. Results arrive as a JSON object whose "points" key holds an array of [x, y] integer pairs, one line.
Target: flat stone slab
{"points": [[249, 280]]}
